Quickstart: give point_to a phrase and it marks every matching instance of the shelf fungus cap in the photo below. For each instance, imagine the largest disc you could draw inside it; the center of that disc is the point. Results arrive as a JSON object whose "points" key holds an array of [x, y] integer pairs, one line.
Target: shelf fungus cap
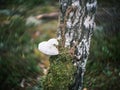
{"points": [[49, 47]]}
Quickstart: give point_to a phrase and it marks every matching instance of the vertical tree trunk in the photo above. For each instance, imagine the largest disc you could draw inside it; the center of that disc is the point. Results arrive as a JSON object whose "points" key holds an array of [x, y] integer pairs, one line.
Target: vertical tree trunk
{"points": [[75, 31]]}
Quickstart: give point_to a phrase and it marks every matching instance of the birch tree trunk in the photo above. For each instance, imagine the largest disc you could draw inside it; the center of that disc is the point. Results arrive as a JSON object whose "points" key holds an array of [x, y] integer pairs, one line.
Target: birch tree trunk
{"points": [[75, 31]]}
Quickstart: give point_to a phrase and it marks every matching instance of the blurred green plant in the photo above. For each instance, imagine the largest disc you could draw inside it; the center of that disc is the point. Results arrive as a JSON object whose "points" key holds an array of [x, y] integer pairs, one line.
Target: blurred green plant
{"points": [[29, 3], [17, 60], [103, 67]]}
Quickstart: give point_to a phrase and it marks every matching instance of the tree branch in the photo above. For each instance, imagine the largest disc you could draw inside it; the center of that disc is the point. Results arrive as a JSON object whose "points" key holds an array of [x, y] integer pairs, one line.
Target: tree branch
{"points": [[53, 15]]}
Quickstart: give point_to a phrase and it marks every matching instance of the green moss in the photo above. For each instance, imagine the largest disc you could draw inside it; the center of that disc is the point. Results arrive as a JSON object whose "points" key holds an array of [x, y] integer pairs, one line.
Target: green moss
{"points": [[60, 74]]}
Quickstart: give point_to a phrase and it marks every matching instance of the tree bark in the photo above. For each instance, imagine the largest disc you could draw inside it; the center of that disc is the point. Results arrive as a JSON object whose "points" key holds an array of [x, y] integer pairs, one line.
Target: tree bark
{"points": [[75, 31]]}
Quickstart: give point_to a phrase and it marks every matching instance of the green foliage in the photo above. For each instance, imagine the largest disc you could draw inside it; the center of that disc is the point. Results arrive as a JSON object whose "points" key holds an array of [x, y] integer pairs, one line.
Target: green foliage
{"points": [[29, 3], [103, 67], [23, 1], [17, 60], [61, 73]]}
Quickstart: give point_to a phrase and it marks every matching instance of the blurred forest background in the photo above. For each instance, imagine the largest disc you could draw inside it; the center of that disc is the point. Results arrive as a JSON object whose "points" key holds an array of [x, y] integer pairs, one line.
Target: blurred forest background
{"points": [[22, 28]]}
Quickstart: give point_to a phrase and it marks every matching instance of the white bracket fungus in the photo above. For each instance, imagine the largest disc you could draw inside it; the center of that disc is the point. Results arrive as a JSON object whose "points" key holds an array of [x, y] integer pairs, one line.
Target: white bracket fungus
{"points": [[49, 47]]}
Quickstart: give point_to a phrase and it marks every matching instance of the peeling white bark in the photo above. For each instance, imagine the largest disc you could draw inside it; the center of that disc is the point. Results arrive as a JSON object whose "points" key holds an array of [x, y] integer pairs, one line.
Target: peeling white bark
{"points": [[75, 31], [89, 22], [90, 5]]}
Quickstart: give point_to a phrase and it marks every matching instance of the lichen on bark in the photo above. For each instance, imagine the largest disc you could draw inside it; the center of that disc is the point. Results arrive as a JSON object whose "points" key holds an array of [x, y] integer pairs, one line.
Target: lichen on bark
{"points": [[75, 31]]}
